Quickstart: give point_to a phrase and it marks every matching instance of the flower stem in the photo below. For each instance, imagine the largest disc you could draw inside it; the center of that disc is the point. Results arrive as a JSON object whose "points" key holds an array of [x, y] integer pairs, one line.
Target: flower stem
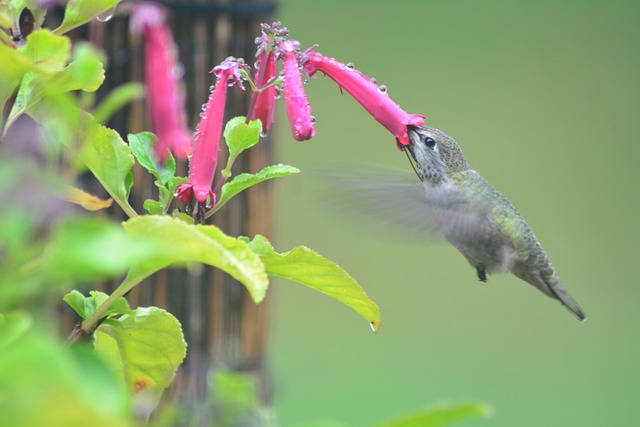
{"points": [[89, 325]]}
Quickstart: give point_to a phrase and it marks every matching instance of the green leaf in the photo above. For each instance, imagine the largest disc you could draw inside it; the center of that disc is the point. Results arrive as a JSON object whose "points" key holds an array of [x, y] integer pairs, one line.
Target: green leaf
{"points": [[246, 180], [110, 160], [146, 345], [85, 306], [83, 249], [142, 147], [440, 416], [236, 397], [13, 65], [50, 52], [182, 243], [116, 99], [71, 386], [240, 136], [13, 326], [85, 72], [310, 269], [154, 207], [79, 12]]}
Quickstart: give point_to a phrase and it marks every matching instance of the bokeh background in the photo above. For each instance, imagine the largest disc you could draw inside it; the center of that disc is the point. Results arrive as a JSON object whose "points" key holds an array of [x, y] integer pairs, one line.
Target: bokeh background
{"points": [[544, 99]]}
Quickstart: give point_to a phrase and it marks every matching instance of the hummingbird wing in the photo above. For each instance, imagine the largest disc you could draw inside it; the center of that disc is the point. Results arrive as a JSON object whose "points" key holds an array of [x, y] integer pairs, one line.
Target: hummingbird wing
{"points": [[398, 201]]}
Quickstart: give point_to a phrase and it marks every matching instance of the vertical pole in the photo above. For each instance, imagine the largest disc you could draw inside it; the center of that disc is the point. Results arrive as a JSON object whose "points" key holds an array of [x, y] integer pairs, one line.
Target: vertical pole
{"points": [[223, 328]]}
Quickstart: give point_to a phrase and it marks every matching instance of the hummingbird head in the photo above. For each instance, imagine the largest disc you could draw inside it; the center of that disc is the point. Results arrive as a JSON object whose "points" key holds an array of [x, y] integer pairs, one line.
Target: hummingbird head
{"points": [[434, 155]]}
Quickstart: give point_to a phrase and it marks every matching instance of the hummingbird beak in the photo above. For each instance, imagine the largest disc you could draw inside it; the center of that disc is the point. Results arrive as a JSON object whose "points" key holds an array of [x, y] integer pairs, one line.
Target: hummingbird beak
{"points": [[408, 149]]}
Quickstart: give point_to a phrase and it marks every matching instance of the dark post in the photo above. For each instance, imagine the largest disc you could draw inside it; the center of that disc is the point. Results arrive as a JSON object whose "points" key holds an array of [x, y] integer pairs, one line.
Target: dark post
{"points": [[222, 326]]}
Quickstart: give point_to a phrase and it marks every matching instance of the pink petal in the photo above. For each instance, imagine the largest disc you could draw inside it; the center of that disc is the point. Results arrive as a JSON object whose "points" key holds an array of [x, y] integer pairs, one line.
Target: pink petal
{"points": [[296, 104], [266, 100], [372, 97], [164, 95], [204, 157]]}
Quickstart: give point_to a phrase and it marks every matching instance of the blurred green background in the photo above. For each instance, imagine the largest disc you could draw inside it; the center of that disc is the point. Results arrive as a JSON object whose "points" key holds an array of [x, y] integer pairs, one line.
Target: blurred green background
{"points": [[544, 99]]}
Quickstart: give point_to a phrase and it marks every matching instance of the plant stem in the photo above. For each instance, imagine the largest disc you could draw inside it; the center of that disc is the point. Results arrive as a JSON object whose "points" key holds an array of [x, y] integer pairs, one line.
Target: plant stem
{"points": [[127, 284]]}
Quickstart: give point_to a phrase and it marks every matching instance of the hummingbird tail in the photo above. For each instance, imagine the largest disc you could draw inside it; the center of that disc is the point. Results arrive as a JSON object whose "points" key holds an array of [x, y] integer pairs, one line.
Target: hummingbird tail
{"points": [[560, 293]]}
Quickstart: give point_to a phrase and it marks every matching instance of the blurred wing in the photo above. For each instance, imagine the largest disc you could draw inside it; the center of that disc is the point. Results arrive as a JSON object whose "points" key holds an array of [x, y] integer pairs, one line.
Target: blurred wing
{"points": [[397, 201]]}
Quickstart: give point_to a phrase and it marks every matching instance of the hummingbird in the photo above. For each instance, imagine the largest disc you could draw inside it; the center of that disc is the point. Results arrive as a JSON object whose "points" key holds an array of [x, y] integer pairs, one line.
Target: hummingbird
{"points": [[477, 219]]}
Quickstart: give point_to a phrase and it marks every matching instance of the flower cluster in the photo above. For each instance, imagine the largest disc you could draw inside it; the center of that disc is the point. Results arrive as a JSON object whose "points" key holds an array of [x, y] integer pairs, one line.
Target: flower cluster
{"points": [[204, 156], [273, 48], [162, 79]]}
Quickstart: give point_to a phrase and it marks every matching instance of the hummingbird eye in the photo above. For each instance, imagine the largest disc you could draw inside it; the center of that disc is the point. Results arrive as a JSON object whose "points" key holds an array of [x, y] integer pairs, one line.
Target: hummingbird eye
{"points": [[430, 142]]}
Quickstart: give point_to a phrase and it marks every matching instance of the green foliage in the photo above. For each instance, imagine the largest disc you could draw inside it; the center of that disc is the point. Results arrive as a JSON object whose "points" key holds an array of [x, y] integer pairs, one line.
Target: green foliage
{"points": [[70, 386], [116, 99], [142, 147], [310, 269], [109, 159], [135, 352], [84, 249], [79, 12], [246, 180], [179, 243], [239, 137], [49, 52], [145, 345], [86, 306], [440, 416]]}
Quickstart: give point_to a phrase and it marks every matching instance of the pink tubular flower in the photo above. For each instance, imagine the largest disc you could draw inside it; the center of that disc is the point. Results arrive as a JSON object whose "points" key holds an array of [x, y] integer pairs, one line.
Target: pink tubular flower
{"points": [[204, 157], [265, 100], [164, 95], [295, 100], [372, 97]]}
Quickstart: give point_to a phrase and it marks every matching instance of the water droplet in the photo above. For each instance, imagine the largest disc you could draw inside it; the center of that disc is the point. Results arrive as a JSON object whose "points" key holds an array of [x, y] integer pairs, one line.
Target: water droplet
{"points": [[373, 80], [211, 88], [106, 15], [256, 65], [278, 92], [382, 89], [263, 134], [177, 71], [350, 66], [204, 107], [203, 115], [313, 120], [373, 327]]}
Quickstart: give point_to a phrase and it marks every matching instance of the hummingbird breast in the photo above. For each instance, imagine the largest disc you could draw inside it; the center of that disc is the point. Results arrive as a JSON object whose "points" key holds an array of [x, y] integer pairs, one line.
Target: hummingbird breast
{"points": [[482, 224]]}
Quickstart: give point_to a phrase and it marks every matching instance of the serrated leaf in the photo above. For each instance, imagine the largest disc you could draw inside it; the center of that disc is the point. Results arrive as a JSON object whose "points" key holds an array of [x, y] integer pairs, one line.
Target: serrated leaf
{"points": [[142, 147], [310, 269], [146, 345], [440, 416], [79, 12], [246, 180], [240, 136], [85, 306], [182, 243]]}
